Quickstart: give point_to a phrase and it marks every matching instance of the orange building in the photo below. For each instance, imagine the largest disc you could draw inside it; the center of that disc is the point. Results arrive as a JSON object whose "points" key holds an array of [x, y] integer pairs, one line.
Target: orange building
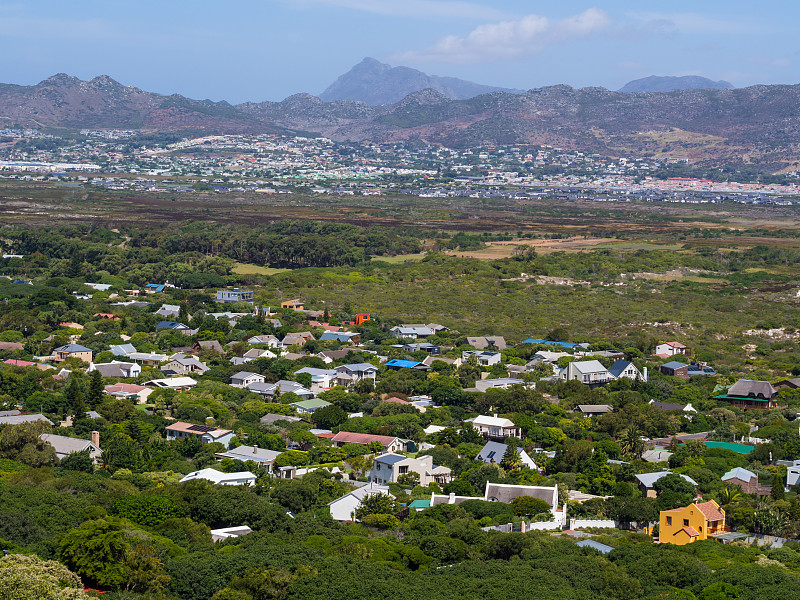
{"points": [[698, 521]]}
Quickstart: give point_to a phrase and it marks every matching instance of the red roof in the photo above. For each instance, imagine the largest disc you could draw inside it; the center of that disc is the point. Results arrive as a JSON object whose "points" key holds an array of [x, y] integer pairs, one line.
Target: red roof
{"points": [[397, 400], [18, 363], [691, 531], [711, 511], [128, 388], [348, 437]]}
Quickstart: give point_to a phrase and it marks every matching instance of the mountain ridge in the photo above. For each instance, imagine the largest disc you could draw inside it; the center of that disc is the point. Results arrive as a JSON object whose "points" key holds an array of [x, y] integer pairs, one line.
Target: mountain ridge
{"points": [[670, 83], [375, 83]]}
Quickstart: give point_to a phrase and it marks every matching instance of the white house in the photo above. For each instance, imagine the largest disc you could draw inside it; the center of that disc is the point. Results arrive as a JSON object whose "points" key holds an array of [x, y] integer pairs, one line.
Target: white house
{"points": [[387, 468], [671, 349], [414, 332], [586, 371], [624, 368], [65, 445], [174, 383], [116, 368], [793, 474], [220, 478], [493, 452], [343, 509], [244, 378], [206, 434], [494, 428], [353, 373], [321, 379], [484, 358]]}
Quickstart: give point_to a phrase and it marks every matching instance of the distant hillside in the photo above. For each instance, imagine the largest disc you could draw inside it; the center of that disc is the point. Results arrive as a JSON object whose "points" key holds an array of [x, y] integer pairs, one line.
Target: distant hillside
{"points": [[376, 83], [655, 83], [757, 125]]}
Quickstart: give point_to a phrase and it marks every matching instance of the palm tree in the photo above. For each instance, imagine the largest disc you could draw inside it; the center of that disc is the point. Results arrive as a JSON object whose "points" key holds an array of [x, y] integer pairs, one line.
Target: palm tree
{"points": [[729, 495], [631, 442]]}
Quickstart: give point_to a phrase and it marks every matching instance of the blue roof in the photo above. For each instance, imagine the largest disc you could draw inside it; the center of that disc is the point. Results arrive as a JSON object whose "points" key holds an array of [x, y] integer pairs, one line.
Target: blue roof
{"points": [[552, 343], [170, 325], [342, 336], [73, 348], [403, 364], [674, 364], [390, 459], [618, 367]]}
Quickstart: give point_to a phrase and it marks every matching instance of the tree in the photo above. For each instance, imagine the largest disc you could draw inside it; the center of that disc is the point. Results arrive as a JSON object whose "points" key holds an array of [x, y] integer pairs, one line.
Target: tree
{"points": [[149, 511], [673, 492], [95, 395], [78, 461], [376, 504], [96, 551], [631, 442], [31, 578], [529, 506], [328, 417], [511, 458]]}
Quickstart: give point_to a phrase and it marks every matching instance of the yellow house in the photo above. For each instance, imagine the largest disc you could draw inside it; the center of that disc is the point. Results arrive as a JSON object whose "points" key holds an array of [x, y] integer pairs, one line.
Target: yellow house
{"points": [[685, 525]]}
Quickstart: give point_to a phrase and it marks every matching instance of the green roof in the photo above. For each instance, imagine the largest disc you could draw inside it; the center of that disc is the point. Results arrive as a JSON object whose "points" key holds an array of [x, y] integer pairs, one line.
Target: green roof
{"points": [[313, 403], [727, 397], [420, 503]]}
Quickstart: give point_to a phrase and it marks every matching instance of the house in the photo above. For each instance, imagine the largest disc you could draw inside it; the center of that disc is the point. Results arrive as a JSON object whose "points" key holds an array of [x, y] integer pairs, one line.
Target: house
{"points": [[455, 362], [266, 340], [749, 394], [298, 339], [668, 349], [220, 478], [647, 482], [675, 369], [321, 379], [343, 509], [493, 452], [346, 337], [668, 407], [129, 353], [217, 535], [387, 468], [309, 406], [594, 410], [208, 345], [65, 445], [293, 304], [137, 393], [205, 433], [154, 288], [388, 443], [174, 326], [502, 383], [505, 492], [786, 384], [181, 364], [746, 480], [109, 316], [270, 390], [244, 378], [431, 349], [397, 364], [496, 429], [700, 369], [698, 521], [589, 372], [235, 295], [116, 368], [547, 356], [262, 456], [72, 351], [491, 342], [355, 372], [255, 353], [484, 358], [625, 368], [19, 419], [271, 419], [174, 383], [328, 356], [414, 332], [792, 473], [168, 310]]}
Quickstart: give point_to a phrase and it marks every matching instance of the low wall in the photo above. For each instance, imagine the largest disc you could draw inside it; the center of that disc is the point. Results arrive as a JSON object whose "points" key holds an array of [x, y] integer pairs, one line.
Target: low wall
{"points": [[597, 523]]}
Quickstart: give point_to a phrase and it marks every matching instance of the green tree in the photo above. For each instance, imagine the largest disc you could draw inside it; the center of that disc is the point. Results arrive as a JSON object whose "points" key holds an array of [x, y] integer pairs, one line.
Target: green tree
{"points": [[95, 395], [328, 417], [529, 506], [78, 461], [376, 504], [96, 551], [149, 511]]}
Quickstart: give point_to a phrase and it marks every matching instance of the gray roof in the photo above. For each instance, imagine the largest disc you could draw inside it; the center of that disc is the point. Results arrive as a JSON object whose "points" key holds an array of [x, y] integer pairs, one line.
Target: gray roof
{"points": [[738, 473], [588, 366], [596, 545], [674, 364], [17, 419], [752, 389], [117, 369], [245, 453], [64, 445], [501, 492], [649, 479], [618, 367], [390, 459], [73, 348], [243, 375], [122, 349], [595, 408], [272, 418]]}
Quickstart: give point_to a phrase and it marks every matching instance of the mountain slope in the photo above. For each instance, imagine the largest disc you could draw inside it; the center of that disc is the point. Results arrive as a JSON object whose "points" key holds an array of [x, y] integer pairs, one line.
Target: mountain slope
{"points": [[376, 83], [655, 83]]}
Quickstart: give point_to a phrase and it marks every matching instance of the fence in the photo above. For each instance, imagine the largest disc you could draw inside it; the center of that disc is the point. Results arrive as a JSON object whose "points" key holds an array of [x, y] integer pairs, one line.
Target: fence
{"points": [[598, 523], [524, 527]]}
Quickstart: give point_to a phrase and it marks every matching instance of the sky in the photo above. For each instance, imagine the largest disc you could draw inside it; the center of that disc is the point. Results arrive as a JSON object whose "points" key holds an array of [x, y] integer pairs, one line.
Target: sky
{"points": [[255, 50]]}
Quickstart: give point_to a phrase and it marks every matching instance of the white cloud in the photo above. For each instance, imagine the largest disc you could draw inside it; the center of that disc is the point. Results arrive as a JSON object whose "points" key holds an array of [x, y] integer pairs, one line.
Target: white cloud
{"points": [[420, 9], [509, 39]]}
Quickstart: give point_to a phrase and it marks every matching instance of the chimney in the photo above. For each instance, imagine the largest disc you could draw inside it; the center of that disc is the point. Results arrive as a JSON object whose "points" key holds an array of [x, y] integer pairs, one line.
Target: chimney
{"points": [[452, 498], [255, 448], [96, 438]]}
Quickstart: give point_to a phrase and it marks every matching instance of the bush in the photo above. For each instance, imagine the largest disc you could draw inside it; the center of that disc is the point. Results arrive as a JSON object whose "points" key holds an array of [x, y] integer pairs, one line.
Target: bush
{"points": [[147, 510], [381, 521]]}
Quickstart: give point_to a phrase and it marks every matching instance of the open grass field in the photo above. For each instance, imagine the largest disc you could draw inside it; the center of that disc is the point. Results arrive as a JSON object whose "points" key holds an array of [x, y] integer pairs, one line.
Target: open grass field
{"points": [[247, 269]]}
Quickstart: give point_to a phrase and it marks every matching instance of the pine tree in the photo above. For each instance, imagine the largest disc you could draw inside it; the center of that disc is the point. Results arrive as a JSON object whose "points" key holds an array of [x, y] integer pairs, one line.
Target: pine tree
{"points": [[75, 267], [183, 314], [74, 395], [95, 396]]}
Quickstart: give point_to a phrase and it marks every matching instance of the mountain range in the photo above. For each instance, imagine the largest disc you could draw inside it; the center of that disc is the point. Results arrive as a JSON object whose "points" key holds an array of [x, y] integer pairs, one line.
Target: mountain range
{"points": [[757, 124]]}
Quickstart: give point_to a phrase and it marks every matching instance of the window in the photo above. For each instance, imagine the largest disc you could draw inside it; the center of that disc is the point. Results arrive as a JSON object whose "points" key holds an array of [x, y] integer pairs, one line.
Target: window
{"points": [[686, 522], [403, 470], [669, 520]]}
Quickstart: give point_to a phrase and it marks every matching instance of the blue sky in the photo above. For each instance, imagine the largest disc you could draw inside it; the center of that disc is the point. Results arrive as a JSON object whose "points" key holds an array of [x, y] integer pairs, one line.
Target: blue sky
{"points": [[241, 50]]}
